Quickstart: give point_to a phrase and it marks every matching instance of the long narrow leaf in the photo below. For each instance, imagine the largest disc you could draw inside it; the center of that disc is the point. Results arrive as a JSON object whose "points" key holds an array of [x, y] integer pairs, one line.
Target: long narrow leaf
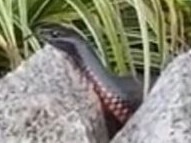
{"points": [[105, 11], [161, 31], [24, 22], [123, 38], [144, 32]]}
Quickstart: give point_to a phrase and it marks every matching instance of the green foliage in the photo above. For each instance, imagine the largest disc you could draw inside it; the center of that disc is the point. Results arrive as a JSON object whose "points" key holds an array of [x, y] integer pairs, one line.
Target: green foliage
{"points": [[127, 34]]}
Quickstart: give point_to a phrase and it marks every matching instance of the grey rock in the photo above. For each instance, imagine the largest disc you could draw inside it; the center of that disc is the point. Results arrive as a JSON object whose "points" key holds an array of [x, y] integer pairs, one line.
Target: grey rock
{"points": [[165, 116], [45, 101]]}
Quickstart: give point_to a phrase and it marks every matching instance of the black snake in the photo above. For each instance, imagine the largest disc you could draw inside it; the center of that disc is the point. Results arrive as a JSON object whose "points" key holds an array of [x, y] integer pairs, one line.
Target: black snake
{"points": [[120, 96]]}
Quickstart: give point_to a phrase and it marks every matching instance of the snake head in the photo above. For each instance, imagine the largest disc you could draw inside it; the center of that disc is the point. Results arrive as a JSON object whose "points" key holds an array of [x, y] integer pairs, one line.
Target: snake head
{"points": [[62, 37], [58, 34]]}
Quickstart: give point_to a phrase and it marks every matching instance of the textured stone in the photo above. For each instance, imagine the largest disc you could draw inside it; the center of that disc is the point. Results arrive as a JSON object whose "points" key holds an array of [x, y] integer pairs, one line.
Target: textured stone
{"points": [[44, 101], [165, 116]]}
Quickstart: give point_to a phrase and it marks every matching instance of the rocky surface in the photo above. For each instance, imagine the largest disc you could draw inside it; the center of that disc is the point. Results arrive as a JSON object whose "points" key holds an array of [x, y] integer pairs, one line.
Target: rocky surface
{"points": [[165, 116], [45, 101]]}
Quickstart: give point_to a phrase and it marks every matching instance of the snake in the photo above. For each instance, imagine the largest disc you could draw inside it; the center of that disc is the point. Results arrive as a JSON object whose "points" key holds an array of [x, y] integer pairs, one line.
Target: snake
{"points": [[120, 96]]}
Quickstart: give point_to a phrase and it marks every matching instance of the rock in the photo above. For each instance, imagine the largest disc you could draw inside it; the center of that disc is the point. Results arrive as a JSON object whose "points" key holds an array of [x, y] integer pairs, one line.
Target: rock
{"points": [[44, 101], [165, 116]]}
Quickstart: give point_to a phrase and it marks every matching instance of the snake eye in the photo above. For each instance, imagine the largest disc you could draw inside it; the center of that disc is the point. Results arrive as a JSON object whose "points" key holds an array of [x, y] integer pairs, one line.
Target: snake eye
{"points": [[55, 34]]}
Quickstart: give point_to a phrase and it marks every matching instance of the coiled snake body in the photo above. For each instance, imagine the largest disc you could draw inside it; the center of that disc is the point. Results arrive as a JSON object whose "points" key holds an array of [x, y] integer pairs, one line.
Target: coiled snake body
{"points": [[120, 97]]}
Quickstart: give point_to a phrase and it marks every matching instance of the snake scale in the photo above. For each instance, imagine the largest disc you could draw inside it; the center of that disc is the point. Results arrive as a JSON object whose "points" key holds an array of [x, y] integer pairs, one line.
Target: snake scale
{"points": [[120, 96]]}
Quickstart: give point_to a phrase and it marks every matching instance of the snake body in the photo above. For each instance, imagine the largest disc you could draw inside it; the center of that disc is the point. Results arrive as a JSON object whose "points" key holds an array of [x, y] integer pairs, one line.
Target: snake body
{"points": [[119, 96]]}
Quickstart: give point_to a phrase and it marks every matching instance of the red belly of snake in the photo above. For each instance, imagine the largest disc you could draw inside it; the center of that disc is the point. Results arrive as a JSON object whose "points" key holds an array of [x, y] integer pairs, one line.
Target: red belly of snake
{"points": [[110, 102], [116, 111]]}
